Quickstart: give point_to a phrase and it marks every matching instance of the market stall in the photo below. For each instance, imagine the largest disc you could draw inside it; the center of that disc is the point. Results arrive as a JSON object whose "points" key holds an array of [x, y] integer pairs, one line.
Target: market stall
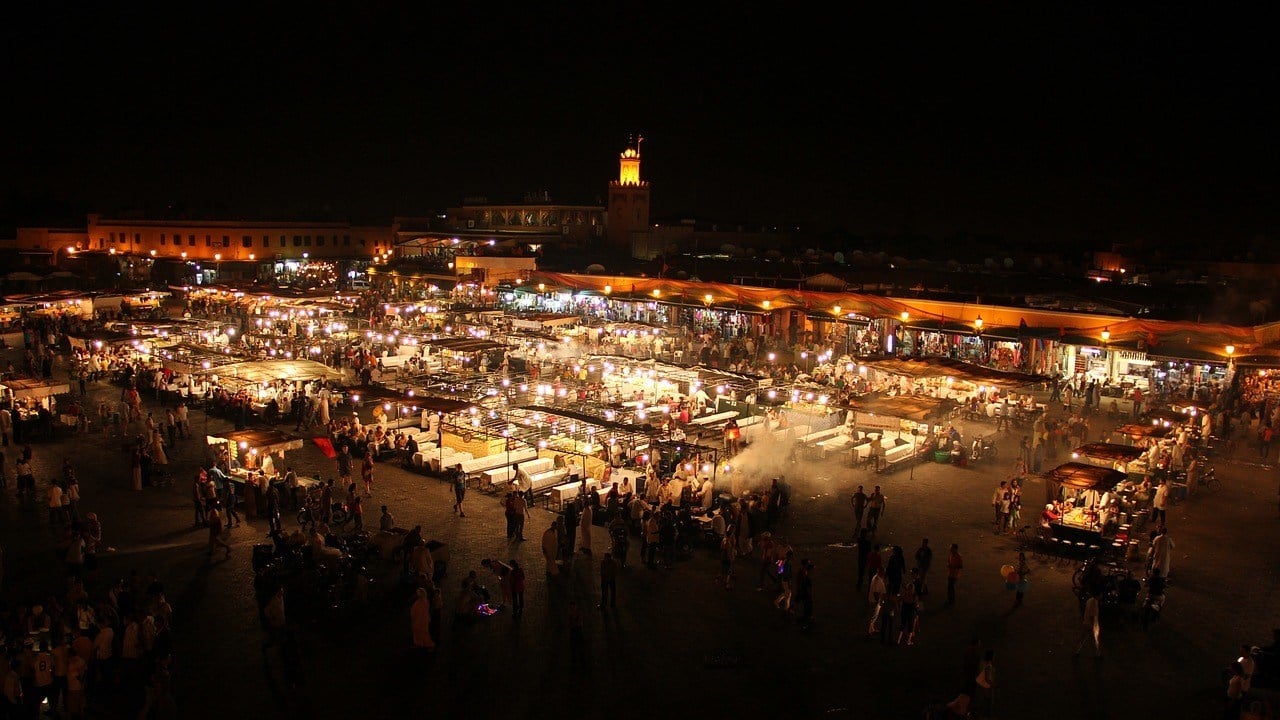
{"points": [[1079, 519], [907, 426], [254, 454], [34, 404], [1127, 459]]}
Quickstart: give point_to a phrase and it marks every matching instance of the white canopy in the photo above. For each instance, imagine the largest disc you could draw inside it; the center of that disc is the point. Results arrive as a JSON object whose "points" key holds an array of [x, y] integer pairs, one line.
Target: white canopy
{"points": [[259, 371]]}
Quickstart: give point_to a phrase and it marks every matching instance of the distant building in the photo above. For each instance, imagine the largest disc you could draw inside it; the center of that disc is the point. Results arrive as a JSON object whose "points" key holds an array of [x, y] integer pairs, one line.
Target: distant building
{"points": [[211, 240]]}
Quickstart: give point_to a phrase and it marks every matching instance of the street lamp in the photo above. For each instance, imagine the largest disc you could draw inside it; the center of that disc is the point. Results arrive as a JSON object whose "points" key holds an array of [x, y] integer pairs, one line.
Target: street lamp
{"points": [[977, 324], [1231, 350], [835, 310], [766, 304], [905, 316], [1106, 334]]}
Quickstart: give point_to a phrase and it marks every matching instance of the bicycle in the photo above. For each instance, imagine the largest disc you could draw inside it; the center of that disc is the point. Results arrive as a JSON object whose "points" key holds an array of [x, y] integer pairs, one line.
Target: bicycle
{"points": [[1208, 479]]}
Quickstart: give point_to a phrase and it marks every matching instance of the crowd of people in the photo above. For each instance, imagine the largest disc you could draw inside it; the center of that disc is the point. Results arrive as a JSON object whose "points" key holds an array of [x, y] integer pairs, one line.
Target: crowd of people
{"points": [[82, 642]]}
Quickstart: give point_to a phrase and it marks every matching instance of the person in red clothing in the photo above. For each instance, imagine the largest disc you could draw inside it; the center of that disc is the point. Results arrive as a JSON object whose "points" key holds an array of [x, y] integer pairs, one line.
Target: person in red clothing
{"points": [[875, 560]]}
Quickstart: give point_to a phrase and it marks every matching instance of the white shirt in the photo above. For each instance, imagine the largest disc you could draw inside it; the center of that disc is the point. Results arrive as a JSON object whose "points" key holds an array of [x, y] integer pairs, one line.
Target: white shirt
{"points": [[1162, 492], [878, 589]]}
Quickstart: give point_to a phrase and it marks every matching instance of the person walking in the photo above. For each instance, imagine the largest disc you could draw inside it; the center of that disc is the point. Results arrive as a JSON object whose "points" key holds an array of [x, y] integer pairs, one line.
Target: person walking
{"points": [[355, 508], [520, 512], [859, 503], [864, 552], [229, 505], [344, 463], [366, 472], [198, 498], [908, 603], [517, 589], [1020, 588], [216, 529], [509, 511], [997, 503], [985, 682], [875, 508], [651, 539], [924, 558], [1090, 628], [728, 553], [876, 595], [586, 521], [786, 574], [420, 622], [955, 563], [1162, 547], [273, 508], [1160, 501], [895, 569], [804, 593], [608, 581], [570, 519], [551, 549], [460, 490]]}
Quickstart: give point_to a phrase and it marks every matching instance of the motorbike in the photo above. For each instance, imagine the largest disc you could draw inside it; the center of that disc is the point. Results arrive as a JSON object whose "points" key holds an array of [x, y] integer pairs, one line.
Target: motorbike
{"points": [[983, 449]]}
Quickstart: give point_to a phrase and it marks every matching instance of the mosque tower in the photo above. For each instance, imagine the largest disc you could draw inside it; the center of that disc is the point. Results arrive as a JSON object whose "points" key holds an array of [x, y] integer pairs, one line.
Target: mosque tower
{"points": [[628, 209]]}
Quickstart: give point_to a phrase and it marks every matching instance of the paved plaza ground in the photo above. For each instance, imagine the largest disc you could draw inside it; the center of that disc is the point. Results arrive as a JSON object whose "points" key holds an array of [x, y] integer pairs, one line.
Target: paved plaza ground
{"points": [[678, 646]]}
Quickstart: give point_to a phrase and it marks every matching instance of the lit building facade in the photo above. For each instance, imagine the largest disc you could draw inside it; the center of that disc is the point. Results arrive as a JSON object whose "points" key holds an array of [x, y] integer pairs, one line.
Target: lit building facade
{"points": [[211, 240]]}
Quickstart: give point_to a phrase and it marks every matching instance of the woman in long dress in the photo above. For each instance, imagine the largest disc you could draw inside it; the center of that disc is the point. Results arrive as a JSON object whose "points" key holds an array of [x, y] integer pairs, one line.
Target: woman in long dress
{"points": [[158, 455], [420, 621], [584, 526]]}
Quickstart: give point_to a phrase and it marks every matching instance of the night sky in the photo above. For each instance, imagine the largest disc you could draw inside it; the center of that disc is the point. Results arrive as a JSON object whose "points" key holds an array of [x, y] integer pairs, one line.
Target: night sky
{"points": [[1082, 124]]}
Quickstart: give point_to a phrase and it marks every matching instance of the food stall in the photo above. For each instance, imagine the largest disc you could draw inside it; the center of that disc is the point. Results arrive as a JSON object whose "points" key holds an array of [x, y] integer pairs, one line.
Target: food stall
{"points": [[1076, 490], [34, 405], [250, 451], [908, 425]]}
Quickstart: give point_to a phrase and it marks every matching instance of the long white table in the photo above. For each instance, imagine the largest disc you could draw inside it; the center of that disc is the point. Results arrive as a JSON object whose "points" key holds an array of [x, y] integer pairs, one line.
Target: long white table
{"points": [[714, 418]]}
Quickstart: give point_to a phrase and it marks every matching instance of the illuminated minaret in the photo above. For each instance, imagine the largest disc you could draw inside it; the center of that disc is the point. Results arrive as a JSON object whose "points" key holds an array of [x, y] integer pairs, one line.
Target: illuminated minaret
{"points": [[628, 200]]}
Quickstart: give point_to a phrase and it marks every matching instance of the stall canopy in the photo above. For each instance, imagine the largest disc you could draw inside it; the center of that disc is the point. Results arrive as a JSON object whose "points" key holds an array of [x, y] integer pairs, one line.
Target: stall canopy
{"points": [[264, 441], [33, 388], [269, 370], [1081, 476], [907, 407], [1111, 452], [1146, 430], [948, 367]]}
